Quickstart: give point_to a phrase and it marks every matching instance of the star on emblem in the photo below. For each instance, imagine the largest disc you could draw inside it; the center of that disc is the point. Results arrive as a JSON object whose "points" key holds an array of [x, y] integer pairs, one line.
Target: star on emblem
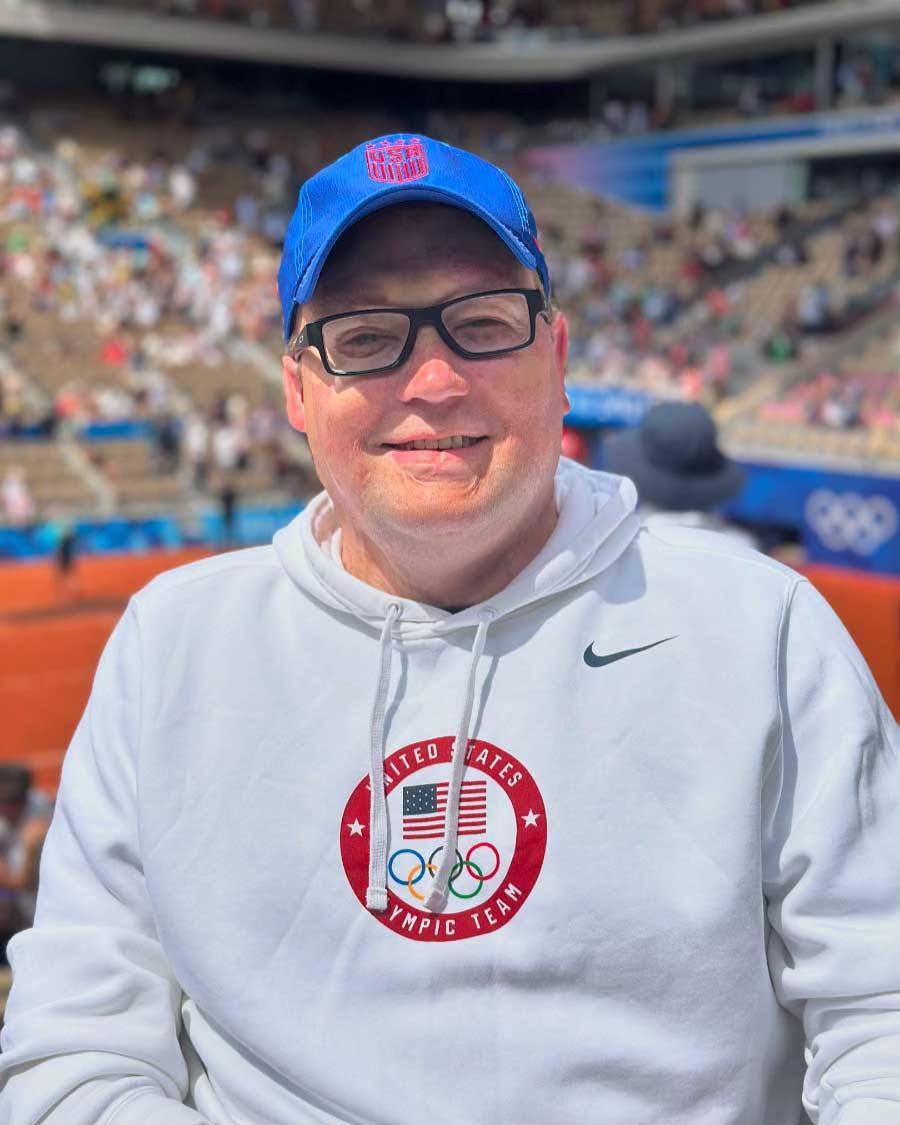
{"points": [[356, 829], [530, 818]]}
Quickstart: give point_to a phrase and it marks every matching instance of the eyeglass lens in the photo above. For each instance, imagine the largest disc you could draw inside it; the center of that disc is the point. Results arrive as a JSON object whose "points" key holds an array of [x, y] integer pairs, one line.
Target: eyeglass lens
{"points": [[483, 324]]}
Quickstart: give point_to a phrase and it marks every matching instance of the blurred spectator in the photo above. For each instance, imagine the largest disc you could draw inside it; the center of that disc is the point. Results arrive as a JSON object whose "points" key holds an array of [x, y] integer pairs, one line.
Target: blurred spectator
{"points": [[65, 555], [195, 447], [228, 508], [18, 505], [24, 820], [229, 450], [167, 437], [680, 473]]}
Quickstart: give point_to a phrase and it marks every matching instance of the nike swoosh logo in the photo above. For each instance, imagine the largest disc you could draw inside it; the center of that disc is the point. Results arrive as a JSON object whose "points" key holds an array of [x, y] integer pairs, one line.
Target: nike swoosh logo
{"points": [[594, 661]]}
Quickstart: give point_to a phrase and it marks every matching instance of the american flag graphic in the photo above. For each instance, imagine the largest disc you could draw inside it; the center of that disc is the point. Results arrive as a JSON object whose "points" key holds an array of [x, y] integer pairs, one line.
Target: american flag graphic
{"points": [[425, 807]]}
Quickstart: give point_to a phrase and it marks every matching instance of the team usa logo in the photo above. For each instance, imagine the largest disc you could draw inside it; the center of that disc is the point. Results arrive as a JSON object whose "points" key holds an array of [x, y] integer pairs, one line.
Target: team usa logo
{"points": [[502, 839], [396, 162]]}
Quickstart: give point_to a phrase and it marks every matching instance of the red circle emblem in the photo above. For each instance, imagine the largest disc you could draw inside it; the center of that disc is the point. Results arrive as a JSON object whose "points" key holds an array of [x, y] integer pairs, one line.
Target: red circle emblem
{"points": [[500, 850]]}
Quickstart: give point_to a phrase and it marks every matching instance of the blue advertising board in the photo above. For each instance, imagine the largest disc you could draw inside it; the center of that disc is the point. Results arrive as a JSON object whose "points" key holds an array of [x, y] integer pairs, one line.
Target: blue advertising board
{"points": [[593, 405], [253, 524], [844, 519], [636, 171]]}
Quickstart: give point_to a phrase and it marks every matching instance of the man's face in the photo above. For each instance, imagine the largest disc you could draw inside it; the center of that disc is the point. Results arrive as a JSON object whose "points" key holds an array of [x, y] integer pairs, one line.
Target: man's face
{"points": [[416, 256]]}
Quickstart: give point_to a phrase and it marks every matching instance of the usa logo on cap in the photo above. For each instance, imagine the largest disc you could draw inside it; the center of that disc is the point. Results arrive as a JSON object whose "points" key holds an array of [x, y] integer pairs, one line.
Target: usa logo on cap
{"points": [[396, 161]]}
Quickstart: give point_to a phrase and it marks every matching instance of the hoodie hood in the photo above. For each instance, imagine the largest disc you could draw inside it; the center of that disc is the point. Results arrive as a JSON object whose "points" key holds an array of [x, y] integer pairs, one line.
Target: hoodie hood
{"points": [[596, 523]]}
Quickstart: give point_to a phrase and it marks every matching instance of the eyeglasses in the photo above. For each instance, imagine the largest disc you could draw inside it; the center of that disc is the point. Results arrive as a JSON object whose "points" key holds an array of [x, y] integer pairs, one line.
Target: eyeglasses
{"points": [[371, 341]]}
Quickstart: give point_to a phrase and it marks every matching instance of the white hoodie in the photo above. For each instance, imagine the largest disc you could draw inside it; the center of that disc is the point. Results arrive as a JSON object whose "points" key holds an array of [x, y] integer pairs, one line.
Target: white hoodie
{"points": [[678, 839]]}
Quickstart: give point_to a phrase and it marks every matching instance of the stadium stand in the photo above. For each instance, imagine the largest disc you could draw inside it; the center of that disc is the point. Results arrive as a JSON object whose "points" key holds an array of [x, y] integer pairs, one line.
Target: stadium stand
{"points": [[136, 331], [433, 22], [168, 312]]}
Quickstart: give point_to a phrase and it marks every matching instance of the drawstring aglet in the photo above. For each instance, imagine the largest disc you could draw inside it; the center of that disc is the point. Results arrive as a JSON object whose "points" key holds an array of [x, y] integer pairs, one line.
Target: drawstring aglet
{"points": [[376, 899], [436, 901]]}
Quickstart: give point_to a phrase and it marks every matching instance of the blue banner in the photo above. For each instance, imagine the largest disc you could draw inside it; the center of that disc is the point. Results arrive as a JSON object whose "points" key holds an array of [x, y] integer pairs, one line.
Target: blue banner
{"points": [[636, 171], [844, 519], [593, 405], [131, 428], [252, 525]]}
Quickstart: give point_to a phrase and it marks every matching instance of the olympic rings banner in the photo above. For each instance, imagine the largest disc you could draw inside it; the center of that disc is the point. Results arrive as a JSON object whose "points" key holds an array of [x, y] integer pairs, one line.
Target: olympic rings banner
{"points": [[845, 519], [500, 850]]}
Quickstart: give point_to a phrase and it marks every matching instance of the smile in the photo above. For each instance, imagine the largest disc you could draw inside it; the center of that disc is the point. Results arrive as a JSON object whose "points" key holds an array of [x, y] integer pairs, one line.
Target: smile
{"points": [[455, 442]]}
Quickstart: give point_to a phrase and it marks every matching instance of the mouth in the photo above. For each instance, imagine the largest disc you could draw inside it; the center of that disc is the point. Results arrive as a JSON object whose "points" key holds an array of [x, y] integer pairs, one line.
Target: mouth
{"points": [[455, 441]]}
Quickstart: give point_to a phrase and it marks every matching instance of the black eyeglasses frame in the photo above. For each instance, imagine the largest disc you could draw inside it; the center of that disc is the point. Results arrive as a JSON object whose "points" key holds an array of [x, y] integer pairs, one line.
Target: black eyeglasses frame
{"points": [[310, 336]]}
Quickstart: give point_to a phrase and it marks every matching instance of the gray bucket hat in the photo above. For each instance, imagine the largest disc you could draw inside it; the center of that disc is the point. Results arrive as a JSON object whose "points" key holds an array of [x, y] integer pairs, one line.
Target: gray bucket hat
{"points": [[674, 460]]}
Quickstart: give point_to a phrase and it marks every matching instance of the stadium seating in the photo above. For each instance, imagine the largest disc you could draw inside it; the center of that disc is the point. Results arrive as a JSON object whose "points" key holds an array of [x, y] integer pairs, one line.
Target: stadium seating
{"points": [[171, 313]]}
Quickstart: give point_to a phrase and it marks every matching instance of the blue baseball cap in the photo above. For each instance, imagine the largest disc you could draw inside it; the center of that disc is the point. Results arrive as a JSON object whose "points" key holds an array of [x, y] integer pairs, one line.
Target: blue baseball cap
{"points": [[398, 169]]}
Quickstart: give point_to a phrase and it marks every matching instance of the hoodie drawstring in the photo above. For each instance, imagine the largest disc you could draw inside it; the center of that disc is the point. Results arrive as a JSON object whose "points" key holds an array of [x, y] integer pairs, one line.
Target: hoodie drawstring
{"points": [[437, 896], [376, 892]]}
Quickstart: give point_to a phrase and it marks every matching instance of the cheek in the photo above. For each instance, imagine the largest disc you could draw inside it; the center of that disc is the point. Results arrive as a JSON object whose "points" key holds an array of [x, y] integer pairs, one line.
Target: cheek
{"points": [[338, 423], [533, 405]]}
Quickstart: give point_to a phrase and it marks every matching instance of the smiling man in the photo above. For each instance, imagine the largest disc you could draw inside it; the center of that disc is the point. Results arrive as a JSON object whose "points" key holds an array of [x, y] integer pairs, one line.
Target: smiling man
{"points": [[469, 799]]}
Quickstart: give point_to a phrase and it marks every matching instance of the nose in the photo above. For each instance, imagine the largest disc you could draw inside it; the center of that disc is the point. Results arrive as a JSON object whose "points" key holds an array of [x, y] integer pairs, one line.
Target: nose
{"points": [[432, 371]]}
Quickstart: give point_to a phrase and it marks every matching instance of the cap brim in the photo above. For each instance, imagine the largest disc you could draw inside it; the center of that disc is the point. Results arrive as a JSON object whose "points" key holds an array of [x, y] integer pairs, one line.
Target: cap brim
{"points": [[388, 198]]}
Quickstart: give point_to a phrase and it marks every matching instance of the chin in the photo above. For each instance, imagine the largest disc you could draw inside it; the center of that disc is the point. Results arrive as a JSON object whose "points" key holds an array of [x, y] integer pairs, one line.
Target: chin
{"points": [[441, 514]]}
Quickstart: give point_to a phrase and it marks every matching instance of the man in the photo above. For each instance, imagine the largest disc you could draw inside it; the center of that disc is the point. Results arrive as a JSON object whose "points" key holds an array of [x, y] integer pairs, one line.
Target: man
{"points": [[274, 891]]}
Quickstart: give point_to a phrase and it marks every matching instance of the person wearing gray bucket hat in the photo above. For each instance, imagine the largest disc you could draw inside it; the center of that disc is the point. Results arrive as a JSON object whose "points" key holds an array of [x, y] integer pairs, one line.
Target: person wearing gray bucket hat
{"points": [[678, 469], [469, 798], [674, 460]]}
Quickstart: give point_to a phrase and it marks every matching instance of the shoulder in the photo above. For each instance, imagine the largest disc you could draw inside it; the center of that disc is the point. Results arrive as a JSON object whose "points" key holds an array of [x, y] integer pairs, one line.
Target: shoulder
{"points": [[210, 605], [709, 549], [209, 575], [208, 591], [711, 573]]}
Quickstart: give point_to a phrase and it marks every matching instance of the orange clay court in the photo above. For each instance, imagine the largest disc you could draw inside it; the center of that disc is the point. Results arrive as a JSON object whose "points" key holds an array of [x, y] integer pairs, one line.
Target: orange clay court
{"points": [[51, 637]]}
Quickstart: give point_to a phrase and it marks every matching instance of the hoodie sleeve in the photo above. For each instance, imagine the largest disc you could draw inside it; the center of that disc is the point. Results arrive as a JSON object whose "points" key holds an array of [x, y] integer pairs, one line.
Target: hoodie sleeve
{"points": [[92, 1023], [831, 869]]}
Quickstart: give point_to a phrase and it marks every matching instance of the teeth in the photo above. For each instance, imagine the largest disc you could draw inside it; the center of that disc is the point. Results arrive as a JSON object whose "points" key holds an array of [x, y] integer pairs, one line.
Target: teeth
{"points": [[455, 442]]}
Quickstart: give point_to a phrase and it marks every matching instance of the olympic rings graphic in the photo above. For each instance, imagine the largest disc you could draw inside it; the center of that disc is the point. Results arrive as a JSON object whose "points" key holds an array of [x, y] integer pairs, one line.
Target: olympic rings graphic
{"points": [[848, 521], [421, 865]]}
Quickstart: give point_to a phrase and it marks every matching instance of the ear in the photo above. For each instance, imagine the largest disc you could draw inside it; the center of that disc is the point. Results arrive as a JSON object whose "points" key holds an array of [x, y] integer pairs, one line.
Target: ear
{"points": [[559, 326], [293, 393]]}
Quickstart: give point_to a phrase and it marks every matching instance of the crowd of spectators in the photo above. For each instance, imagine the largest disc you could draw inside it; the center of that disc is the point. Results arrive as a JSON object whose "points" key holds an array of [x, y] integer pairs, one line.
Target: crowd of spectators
{"points": [[138, 284], [840, 401], [123, 298], [662, 308], [460, 20]]}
